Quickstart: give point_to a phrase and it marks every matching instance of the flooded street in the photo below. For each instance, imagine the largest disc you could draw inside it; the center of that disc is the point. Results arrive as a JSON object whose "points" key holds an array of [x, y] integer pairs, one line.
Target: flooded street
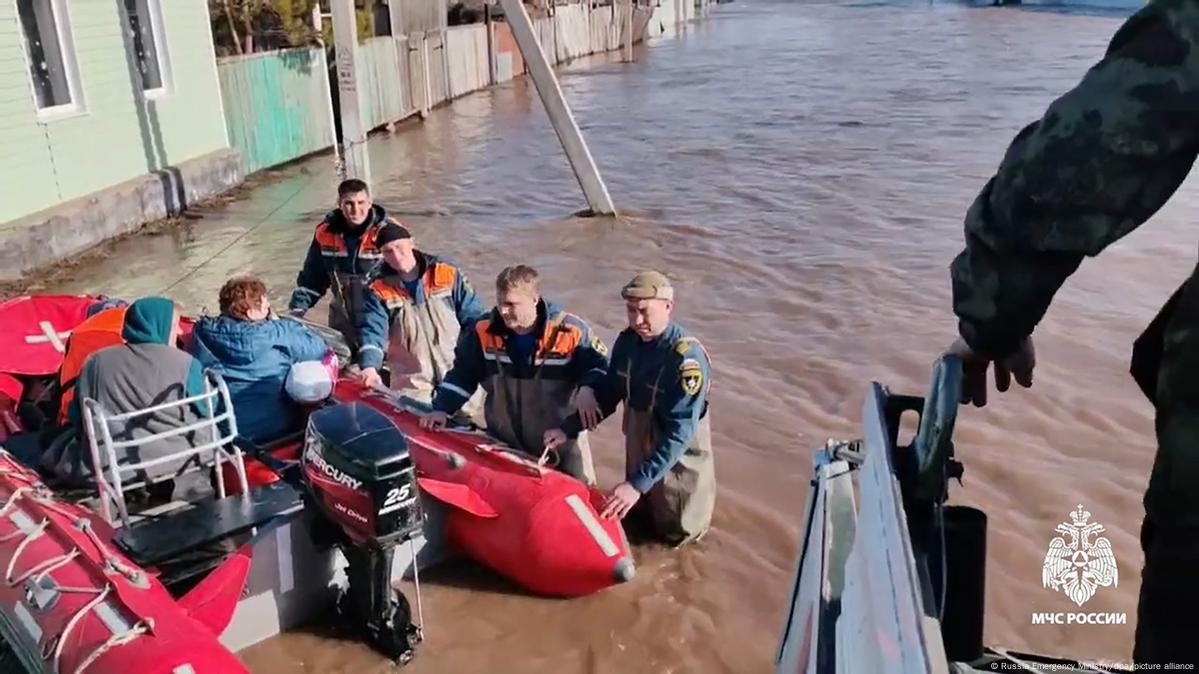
{"points": [[801, 172]]}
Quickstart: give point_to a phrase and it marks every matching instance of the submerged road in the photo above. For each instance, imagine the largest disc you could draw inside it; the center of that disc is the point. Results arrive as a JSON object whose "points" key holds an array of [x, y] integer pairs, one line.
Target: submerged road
{"points": [[801, 171]]}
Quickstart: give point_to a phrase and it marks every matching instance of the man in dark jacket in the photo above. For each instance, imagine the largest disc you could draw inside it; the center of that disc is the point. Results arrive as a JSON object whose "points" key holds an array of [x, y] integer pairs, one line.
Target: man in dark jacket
{"points": [[662, 374], [531, 358], [414, 312], [254, 352], [340, 259]]}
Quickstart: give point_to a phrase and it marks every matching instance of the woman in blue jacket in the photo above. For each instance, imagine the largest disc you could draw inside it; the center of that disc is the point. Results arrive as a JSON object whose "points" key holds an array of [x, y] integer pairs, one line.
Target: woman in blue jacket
{"points": [[254, 352]]}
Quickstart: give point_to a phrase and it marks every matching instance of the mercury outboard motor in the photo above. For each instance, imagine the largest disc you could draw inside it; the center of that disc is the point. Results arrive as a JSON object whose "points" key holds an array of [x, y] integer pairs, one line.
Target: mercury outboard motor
{"points": [[357, 471]]}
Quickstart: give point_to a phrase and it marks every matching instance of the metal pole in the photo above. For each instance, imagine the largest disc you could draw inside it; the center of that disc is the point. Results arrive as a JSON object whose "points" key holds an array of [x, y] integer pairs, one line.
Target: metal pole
{"points": [[353, 133], [559, 113], [628, 27], [317, 23], [396, 19]]}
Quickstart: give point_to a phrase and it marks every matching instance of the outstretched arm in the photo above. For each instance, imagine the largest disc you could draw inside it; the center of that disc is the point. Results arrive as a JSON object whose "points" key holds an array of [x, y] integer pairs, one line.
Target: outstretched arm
{"points": [[1103, 159]]}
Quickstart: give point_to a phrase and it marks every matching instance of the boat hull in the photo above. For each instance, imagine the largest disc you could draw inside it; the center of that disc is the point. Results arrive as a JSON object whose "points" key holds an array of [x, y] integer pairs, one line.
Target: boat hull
{"points": [[71, 601], [534, 525]]}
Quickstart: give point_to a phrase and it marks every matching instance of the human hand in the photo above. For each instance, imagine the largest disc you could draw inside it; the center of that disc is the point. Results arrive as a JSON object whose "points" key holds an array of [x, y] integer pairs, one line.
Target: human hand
{"points": [[1018, 364], [369, 377], [553, 438], [587, 407], [622, 499], [434, 420]]}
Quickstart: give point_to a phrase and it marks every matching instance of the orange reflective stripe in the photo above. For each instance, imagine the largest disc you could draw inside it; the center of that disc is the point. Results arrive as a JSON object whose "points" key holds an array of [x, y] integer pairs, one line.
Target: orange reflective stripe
{"points": [[440, 277], [566, 338], [490, 341], [367, 247], [388, 294], [330, 243]]}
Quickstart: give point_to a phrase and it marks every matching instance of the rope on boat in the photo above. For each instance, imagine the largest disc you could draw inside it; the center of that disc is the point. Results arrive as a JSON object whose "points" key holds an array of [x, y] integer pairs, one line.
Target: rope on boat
{"points": [[142, 626], [239, 237], [31, 535], [38, 493], [44, 568], [420, 611]]}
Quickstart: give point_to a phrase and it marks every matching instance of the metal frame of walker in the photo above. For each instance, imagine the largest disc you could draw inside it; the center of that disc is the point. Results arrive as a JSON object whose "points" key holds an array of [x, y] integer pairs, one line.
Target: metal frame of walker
{"points": [[220, 445]]}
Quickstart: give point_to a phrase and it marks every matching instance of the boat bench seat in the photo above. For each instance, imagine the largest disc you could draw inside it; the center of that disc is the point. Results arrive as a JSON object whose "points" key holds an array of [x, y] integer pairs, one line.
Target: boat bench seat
{"points": [[207, 521]]}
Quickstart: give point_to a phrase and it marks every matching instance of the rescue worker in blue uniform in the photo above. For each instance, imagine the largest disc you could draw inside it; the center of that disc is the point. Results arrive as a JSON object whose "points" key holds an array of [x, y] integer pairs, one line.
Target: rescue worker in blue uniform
{"points": [[530, 357], [340, 259], [414, 311], [663, 376]]}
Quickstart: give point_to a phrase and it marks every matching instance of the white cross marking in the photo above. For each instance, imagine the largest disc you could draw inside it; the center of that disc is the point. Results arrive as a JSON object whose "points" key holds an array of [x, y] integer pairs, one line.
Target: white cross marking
{"points": [[49, 335]]}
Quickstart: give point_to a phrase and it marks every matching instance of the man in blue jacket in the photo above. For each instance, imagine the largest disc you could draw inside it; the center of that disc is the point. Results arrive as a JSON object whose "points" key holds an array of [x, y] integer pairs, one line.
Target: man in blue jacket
{"points": [[254, 354], [530, 357], [414, 312], [340, 259], [663, 376]]}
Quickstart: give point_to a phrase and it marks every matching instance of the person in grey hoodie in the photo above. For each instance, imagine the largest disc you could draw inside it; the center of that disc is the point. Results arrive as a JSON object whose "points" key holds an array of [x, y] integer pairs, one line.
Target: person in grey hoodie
{"points": [[145, 371]]}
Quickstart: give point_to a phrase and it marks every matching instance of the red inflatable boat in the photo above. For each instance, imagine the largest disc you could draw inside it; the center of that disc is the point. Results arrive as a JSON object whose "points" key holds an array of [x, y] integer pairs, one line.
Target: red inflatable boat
{"points": [[71, 597], [318, 518], [534, 525]]}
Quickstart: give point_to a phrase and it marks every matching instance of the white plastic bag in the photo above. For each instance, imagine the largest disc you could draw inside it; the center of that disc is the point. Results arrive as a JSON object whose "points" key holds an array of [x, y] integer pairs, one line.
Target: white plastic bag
{"points": [[309, 382]]}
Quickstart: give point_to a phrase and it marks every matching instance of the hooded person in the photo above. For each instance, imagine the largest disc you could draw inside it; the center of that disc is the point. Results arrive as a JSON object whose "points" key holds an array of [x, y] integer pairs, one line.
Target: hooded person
{"points": [[145, 371], [254, 353]]}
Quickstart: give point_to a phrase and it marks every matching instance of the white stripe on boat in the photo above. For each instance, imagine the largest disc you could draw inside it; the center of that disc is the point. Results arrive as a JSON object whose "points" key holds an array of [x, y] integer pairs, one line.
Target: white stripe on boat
{"points": [[287, 575], [27, 621], [107, 613], [593, 526]]}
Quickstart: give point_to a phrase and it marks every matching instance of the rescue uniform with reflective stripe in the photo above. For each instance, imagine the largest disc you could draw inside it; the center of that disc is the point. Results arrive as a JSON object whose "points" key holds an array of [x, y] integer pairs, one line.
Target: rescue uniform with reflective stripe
{"points": [[340, 259], [664, 384], [529, 393], [416, 329]]}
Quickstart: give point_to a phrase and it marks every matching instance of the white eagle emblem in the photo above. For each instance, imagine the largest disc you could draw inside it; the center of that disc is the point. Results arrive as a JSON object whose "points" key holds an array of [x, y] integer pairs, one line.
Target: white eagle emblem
{"points": [[1079, 567]]}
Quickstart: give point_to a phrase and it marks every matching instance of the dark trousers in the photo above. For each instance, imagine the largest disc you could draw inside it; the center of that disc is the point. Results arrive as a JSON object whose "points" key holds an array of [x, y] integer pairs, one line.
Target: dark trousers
{"points": [[1168, 606]]}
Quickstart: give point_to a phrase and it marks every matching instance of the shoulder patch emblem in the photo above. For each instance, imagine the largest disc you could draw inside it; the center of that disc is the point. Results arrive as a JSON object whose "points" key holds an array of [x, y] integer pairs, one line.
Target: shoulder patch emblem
{"points": [[691, 376], [682, 346], [598, 345]]}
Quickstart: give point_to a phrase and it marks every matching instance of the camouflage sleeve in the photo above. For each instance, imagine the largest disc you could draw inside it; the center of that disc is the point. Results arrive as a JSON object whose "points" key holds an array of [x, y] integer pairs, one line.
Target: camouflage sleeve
{"points": [[1103, 159]]}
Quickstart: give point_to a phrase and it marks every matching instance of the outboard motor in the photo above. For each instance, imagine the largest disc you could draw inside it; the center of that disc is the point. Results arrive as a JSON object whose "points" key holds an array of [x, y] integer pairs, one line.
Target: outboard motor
{"points": [[357, 471]]}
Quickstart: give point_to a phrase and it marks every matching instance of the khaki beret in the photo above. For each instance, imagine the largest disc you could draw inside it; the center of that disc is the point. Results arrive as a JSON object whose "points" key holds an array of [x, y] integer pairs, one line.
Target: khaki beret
{"points": [[648, 285]]}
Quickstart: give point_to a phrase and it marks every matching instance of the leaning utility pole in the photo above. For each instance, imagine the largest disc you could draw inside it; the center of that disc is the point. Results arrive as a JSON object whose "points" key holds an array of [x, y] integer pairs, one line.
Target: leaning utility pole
{"points": [[555, 106], [353, 133]]}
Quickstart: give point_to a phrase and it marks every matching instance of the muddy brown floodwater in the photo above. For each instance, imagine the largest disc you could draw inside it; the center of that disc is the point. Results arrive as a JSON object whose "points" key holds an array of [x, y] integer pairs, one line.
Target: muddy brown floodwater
{"points": [[801, 171]]}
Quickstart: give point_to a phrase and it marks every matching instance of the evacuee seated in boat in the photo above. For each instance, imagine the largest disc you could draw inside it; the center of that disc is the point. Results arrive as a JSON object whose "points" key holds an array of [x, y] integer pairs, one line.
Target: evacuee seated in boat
{"points": [[145, 371], [254, 351]]}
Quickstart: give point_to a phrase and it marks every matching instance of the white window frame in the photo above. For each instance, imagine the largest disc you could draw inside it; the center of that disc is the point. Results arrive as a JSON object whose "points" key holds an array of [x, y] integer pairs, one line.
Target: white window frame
{"points": [[158, 28], [70, 64]]}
